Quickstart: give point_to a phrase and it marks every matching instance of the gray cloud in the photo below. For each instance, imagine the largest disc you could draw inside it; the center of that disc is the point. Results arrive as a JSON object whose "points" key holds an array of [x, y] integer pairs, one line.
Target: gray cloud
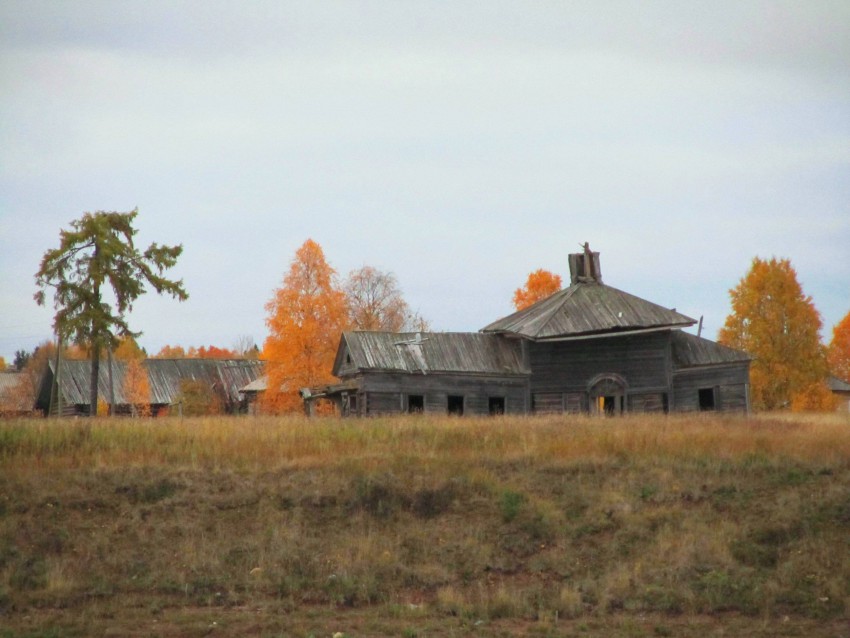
{"points": [[459, 145]]}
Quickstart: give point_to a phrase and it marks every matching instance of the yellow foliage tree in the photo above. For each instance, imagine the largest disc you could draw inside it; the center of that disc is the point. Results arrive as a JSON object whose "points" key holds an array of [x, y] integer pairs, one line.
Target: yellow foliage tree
{"points": [[539, 285], [128, 349], [838, 352], [779, 327], [170, 352], [137, 389], [306, 317]]}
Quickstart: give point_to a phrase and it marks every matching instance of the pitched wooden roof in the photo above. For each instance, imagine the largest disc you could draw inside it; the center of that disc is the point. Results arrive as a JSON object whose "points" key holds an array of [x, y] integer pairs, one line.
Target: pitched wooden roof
{"points": [[452, 352], [690, 351], [587, 309], [164, 377]]}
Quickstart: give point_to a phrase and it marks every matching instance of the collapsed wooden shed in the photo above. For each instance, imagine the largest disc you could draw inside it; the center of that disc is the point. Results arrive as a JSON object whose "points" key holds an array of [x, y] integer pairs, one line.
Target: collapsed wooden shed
{"points": [[587, 348], [224, 378]]}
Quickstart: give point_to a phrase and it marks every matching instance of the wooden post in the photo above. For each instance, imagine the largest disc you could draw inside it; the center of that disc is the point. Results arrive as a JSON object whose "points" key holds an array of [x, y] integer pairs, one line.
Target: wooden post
{"points": [[111, 408], [55, 386]]}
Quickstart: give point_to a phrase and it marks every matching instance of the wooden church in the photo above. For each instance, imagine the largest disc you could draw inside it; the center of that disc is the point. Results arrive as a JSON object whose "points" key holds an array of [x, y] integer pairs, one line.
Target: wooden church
{"points": [[588, 348]]}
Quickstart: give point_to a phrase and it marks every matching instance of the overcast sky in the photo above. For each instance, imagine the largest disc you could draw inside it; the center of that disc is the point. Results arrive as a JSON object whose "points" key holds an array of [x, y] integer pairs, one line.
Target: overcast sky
{"points": [[459, 145]]}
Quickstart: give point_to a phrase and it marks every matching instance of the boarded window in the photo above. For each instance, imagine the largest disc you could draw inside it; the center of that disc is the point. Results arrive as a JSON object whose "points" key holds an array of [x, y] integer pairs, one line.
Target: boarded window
{"points": [[574, 402], [547, 402], [655, 402], [383, 403]]}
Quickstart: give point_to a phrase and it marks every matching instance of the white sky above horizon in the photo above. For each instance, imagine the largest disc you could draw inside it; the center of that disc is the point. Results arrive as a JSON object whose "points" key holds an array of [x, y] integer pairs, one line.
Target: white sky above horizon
{"points": [[458, 145]]}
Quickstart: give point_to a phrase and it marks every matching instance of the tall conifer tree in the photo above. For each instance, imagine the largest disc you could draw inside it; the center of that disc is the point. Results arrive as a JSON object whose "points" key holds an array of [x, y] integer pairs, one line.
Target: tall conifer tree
{"points": [[95, 257]]}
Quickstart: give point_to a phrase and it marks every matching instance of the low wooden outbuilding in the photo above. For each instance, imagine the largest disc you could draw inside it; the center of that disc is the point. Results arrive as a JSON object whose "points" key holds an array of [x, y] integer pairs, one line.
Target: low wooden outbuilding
{"points": [[587, 348], [223, 378]]}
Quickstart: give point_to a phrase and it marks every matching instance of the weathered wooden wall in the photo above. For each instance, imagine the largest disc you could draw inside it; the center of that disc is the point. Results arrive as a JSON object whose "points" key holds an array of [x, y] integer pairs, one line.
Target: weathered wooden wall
{"points": [[387, 393], [568, 366], [731, 383]]}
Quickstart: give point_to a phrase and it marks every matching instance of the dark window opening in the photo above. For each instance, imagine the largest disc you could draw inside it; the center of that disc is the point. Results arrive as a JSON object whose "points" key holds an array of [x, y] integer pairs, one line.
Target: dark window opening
{"points": [[348, 357], [415, 403], [609, 405], [496, 405], [455, 405], [706, 399], [352, 403]]}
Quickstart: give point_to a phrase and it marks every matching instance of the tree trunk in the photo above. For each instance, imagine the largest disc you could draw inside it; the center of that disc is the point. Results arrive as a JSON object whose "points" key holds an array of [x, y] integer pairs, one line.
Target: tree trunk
{"points": [[95, 345], [95, 372], [111, 409]]}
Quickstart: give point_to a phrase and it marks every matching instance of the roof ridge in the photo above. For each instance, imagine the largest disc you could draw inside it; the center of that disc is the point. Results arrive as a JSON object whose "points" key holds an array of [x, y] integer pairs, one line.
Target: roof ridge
{"points": [[569, 291]]}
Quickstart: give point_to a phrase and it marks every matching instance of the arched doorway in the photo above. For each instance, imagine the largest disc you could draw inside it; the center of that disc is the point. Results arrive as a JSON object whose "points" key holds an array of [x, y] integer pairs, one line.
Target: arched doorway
{"points": [[607, 394]]}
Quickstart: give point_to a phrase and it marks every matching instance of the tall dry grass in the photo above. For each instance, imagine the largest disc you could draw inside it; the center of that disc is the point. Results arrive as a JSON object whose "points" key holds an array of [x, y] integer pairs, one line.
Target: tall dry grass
{"points": [[515, 519], [297, 442]]}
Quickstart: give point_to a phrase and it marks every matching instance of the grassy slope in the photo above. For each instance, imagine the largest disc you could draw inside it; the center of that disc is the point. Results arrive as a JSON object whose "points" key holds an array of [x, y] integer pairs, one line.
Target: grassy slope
{"points": [[426, 527]]}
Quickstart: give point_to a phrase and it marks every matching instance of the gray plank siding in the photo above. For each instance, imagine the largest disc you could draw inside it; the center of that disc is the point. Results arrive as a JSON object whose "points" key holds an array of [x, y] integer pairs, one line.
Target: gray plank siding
{"points": [[378, 403], [567, 366], [730, 382], [387, 393], [649, 402]]}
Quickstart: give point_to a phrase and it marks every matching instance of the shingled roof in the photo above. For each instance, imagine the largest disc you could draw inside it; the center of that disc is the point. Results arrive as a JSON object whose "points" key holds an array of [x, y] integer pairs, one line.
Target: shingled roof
{"points": [[587, 309], [451, 352]]}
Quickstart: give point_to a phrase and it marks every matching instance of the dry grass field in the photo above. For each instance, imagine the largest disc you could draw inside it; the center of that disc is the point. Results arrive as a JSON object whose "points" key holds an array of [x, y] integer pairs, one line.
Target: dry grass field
{"points": [[555, 526]]}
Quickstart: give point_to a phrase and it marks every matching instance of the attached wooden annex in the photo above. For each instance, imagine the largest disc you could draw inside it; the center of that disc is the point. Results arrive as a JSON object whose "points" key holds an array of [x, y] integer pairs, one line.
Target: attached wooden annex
{"points": [[588, 348]]}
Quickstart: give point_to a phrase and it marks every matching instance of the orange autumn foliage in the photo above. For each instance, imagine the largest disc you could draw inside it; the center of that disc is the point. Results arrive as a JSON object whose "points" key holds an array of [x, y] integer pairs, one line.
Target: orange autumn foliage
{"points": [[778, 326], [211, 352], [539, 285], [204, 352], [838, 353], [816, 397], [306, 316], [128, 349], [137, 391], [170, 352]]}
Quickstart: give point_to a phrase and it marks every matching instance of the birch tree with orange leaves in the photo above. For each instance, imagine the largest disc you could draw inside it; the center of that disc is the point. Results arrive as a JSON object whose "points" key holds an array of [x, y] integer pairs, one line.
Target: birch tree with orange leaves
{"points": [[778, 325], [539, 285], [306, 317], [838, 353]]}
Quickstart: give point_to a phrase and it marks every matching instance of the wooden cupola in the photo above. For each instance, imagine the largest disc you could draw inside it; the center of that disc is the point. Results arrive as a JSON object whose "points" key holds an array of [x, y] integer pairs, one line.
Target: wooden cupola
{"points": [[584, 267]]}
